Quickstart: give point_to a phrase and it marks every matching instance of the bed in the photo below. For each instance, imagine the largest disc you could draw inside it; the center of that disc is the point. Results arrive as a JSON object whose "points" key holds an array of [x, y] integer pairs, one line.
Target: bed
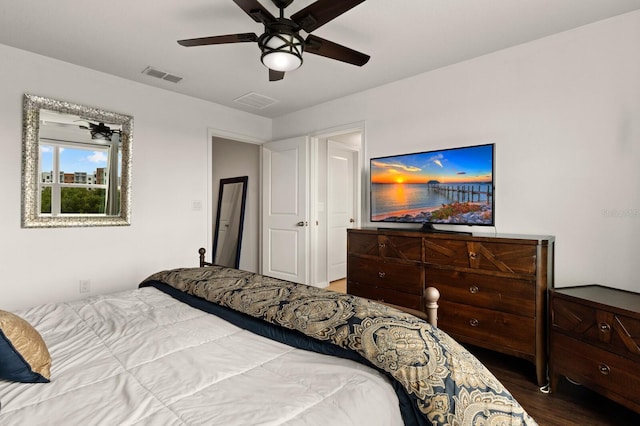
{"points": [[219, 346]]}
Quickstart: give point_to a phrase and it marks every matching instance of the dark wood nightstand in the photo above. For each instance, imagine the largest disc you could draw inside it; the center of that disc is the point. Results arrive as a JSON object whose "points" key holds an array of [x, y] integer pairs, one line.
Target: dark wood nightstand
{"points": [[595, 341]]}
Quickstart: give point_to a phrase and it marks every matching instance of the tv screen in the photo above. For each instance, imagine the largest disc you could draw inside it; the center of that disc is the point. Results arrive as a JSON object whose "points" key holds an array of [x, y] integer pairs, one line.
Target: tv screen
{"points": [[447, 186]]}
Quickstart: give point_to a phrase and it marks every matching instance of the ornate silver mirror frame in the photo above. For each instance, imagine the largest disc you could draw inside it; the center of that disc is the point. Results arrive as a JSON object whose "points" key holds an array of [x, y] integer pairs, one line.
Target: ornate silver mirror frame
{"points": [[32, 176]]}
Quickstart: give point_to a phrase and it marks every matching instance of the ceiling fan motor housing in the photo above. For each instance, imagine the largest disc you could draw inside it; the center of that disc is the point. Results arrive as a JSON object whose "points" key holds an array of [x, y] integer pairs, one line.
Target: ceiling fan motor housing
{"points": [[281, 45]]}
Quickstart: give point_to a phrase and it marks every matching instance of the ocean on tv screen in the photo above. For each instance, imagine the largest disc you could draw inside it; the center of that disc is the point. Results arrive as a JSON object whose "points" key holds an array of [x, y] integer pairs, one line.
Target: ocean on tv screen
{"points": [[447, 186]]}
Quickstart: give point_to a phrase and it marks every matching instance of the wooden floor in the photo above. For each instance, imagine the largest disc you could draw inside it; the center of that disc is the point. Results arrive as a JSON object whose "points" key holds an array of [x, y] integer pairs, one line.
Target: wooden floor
{"points": [[340, 285], [570, 405]]}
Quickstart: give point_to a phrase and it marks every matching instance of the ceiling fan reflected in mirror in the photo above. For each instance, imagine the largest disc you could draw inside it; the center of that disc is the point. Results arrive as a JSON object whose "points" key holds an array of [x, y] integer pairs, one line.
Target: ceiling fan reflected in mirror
{"points": [[281, 44], [100, 131]]}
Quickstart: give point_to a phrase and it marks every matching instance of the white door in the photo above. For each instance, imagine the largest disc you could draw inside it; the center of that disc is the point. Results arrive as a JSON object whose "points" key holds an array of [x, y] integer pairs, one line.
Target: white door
{"points": [[285, 227], [340, 206]]}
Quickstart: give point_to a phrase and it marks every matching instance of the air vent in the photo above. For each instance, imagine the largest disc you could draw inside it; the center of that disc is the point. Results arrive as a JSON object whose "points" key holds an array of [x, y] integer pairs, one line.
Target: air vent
{"points": [[154, 72], [255, 100]]}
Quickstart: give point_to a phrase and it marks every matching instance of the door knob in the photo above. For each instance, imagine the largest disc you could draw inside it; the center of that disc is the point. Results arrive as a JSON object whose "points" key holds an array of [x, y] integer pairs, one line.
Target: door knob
{"points": [[301, 223]]}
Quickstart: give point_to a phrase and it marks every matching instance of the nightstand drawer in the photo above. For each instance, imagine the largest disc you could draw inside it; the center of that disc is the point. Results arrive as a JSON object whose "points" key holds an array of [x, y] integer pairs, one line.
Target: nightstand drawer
{"points": [[482, 325], [501, 294], [385, 295], [502, 257], [588, 365], [398, 276], [614, 332]]}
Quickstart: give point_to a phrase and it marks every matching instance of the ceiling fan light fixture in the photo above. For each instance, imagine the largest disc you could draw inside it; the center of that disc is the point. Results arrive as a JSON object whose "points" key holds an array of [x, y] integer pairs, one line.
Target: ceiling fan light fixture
{"points": [[281, 51], [99, 136]]}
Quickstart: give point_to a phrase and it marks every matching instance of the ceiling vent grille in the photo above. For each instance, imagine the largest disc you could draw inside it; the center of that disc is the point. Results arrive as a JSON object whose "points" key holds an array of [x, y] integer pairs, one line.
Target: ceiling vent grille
{"points": [[255, 100], [154, 72]]}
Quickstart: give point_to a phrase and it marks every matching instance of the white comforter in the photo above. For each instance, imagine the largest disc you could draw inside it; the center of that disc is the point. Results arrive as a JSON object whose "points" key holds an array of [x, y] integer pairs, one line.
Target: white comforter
{"points": [[141, 357]]}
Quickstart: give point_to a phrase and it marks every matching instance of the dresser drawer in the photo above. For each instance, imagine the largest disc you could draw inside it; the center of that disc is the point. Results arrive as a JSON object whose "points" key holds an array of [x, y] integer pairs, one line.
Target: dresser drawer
{"points": [[360, 243], [388, 246], [612, 332], [595, 367], [386, 295], [398, 276], [479, 326], [399, 247], [502, 294], [503, 257]]}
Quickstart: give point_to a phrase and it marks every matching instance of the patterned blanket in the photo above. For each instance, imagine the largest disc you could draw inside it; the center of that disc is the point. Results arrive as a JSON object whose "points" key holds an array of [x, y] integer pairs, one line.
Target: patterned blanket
{"points": [[444, 382]]}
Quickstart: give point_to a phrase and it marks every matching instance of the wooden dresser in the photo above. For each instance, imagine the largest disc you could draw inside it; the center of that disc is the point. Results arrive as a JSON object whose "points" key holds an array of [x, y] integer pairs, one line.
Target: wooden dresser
{"points": [[492, 288], [595, 341]]}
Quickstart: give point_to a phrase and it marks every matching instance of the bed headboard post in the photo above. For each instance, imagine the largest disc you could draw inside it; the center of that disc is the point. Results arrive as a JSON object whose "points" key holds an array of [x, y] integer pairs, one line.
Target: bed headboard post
{"points": [[202, 252], [431, 296]]}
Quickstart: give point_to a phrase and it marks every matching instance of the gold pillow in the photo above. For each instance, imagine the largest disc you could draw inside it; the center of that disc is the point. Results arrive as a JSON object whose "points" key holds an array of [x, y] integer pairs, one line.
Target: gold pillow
{"points": [[24, 356]]}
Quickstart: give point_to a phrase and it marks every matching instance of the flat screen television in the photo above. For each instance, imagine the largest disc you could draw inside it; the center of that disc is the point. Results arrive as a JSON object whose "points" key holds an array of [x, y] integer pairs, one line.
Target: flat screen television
{"points": [[448, 186]]}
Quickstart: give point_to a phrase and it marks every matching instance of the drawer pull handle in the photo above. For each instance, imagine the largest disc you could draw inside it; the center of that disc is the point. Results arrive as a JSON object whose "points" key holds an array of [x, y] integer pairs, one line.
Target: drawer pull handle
{"points": [[473, 322], [381, 274], [381, 245], [604, 327], [604, 369], [473, 289], [472, 255]]}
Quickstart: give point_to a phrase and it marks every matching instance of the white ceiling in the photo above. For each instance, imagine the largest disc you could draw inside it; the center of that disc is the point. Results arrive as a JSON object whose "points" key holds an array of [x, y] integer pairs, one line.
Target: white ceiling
{"points": [[403, 37]]}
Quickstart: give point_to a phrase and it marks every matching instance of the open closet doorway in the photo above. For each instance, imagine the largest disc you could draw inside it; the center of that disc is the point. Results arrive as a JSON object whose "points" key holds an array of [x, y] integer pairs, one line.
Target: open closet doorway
{"points": [[311, 194], [338, 201], [230, 156], [341, 205]]}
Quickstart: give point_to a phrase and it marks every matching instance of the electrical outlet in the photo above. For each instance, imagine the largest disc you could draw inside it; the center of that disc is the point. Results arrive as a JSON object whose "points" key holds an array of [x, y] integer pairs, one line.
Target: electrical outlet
{"points": [[85, 286]]}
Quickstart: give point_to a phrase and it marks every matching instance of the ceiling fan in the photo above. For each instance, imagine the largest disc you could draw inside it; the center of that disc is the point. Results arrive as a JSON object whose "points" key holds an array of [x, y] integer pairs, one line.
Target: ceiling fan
{"points": [[281, 44]]}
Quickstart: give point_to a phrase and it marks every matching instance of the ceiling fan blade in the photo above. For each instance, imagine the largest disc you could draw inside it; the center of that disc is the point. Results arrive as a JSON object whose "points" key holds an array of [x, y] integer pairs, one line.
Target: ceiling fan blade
{"points": [[329, 49], [221, 39], [319, 13], [275, 75], [257, 11]]}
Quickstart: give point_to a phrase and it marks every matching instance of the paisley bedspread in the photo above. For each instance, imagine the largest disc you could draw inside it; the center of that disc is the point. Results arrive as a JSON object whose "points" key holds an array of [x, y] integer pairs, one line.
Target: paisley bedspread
{"points": [[437, 380]]}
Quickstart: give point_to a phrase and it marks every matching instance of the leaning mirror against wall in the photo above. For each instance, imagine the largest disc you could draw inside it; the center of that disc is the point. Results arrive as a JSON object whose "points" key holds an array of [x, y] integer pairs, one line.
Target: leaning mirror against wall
{"points": [[76, 165], [227, 239]]}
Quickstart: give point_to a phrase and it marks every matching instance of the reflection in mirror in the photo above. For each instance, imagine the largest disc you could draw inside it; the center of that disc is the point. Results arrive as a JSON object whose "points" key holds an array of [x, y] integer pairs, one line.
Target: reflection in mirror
{"points": [[227, 238], [76, 164]]}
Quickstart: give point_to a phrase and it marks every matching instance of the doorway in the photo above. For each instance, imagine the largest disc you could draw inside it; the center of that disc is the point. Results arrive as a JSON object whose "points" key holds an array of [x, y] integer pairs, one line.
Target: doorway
{"points": [[311, 194], [231, 155], [337, 201], [342, 161]]}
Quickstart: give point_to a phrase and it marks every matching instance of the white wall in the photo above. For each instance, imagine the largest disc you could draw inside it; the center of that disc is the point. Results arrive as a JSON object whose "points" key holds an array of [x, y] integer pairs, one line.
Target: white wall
{"points": [[564, 113], [169, 174], [230, 159]]}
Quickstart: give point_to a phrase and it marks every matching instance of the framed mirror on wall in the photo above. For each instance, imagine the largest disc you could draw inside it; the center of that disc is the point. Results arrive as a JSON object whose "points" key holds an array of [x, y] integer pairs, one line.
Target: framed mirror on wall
{"points": [[76, 165], [227, 239]]}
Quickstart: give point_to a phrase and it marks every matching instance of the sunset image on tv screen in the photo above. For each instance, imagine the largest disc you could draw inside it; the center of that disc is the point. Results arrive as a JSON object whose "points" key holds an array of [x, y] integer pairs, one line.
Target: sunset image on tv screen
{"points": [[446, 186]]}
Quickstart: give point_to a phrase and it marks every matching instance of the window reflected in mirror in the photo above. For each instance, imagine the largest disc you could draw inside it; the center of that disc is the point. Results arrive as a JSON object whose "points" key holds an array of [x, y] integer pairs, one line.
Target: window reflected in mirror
{"points": [[76, 163]]}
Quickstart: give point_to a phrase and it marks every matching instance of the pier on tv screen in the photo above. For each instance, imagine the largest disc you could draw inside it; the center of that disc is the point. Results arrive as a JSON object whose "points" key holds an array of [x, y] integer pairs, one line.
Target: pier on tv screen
{"points": [[448, 186]]}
